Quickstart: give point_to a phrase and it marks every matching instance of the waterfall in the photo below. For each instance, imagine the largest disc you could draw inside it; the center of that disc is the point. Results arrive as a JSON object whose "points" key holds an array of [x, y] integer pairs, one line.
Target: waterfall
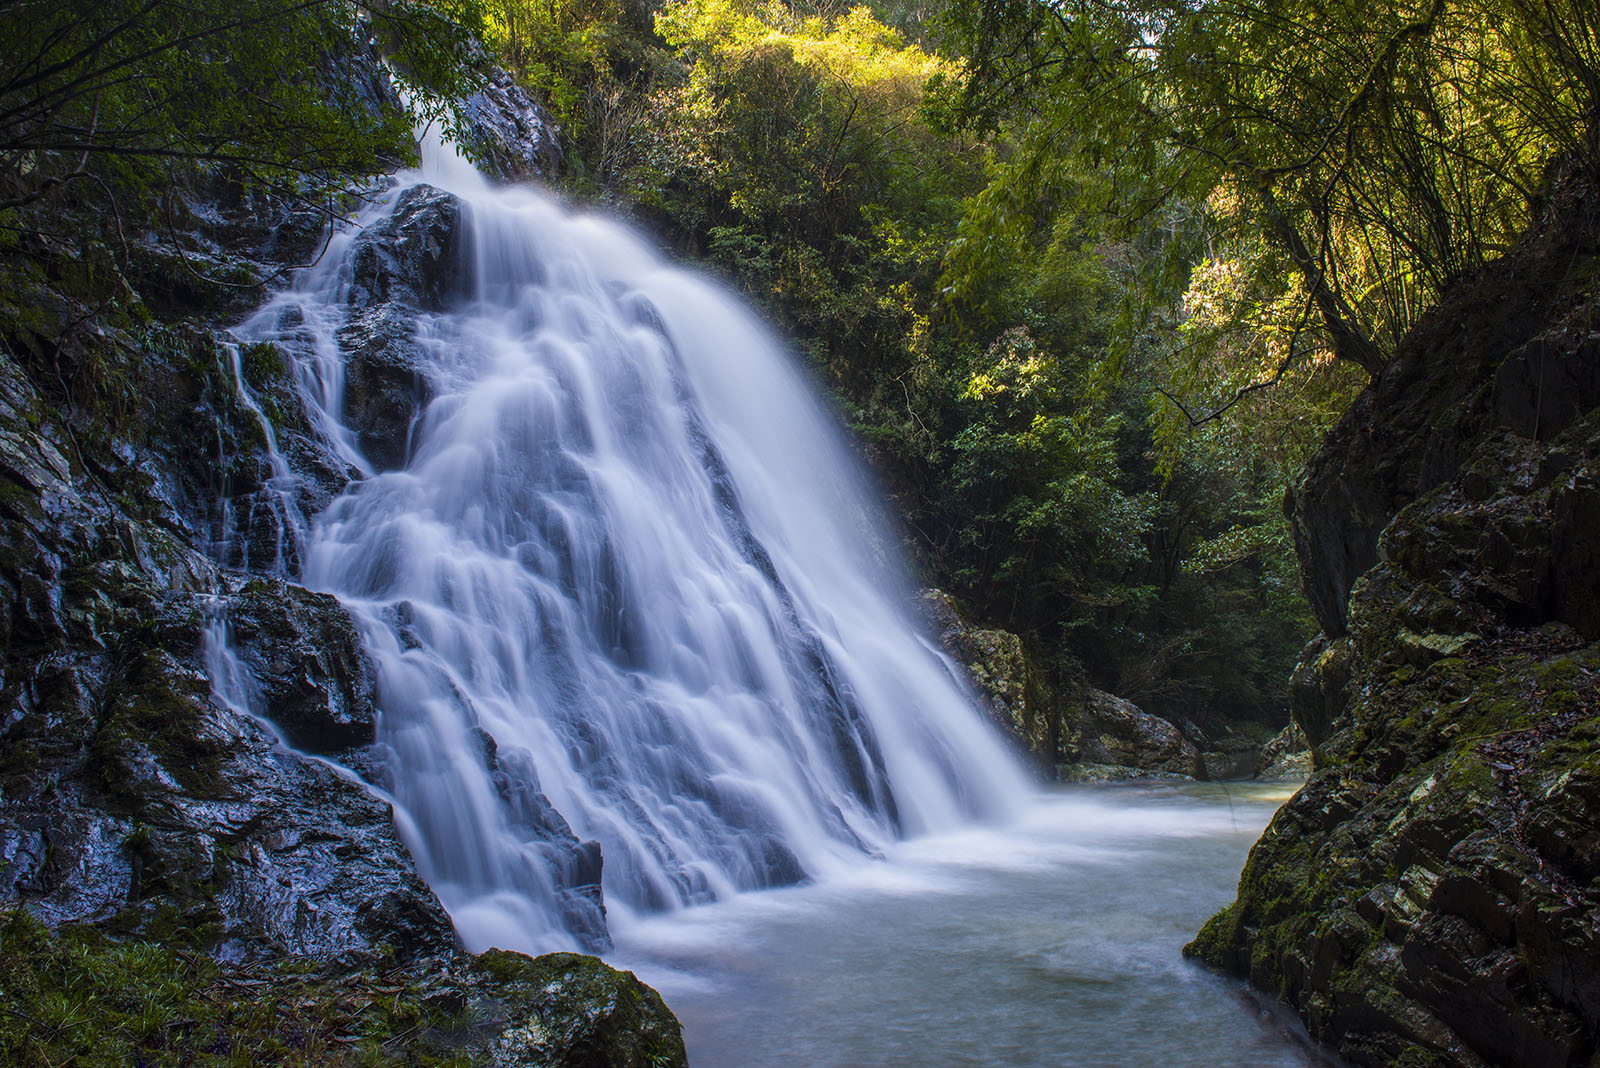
{"points": [[636, 618]]}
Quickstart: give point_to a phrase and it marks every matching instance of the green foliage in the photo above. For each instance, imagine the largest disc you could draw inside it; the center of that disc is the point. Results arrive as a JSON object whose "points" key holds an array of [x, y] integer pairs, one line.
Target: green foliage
{"points": [[129, 93], [591, 60], [1035, 480], [1340, 161]]}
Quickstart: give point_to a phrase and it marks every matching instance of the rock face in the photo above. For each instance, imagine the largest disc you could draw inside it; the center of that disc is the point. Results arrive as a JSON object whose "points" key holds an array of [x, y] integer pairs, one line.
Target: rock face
{"points": [[128, 795], [1319, 687], [996, 665], [414, 263], [1287, 756], [304, 655], [147, 548], [1432, 896], [508, 134], [1512, 348]]}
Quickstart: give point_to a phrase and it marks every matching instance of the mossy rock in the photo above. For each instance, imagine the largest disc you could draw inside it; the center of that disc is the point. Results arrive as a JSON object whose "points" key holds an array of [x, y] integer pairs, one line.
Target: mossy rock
{"points": [[1431, 896], [572, 1011], [84, 996]]}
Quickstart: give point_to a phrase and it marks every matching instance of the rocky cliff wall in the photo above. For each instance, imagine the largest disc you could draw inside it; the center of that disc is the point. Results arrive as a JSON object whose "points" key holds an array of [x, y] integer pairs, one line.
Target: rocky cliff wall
{"points": [[1430, 897]]}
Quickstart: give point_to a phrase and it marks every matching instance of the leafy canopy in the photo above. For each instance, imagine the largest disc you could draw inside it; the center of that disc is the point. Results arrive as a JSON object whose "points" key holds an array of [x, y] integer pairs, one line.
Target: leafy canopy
{"points": [[1339, 160], [125, 91]]}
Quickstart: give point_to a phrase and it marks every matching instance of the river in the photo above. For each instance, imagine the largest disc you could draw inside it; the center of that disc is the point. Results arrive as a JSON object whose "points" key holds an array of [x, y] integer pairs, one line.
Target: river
{"points": [[1052, 942]]}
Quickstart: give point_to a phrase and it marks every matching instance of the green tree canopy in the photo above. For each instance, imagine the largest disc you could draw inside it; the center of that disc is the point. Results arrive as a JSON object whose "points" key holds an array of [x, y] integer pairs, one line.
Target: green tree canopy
{"points": [[1343, 158], [121, 91]]}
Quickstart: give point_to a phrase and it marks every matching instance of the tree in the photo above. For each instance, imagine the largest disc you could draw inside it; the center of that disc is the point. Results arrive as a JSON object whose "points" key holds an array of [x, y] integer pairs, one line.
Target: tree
{"points": [[120, 92], [1357, 154]]}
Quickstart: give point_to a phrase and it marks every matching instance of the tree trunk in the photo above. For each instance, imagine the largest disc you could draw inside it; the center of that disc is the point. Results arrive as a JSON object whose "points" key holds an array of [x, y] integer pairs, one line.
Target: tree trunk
{"points": [[1349, 341]]}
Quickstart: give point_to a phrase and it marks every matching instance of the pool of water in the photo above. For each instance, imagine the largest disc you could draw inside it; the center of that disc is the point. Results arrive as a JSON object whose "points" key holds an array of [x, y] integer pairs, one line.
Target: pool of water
{"points": [[1051, 942]]}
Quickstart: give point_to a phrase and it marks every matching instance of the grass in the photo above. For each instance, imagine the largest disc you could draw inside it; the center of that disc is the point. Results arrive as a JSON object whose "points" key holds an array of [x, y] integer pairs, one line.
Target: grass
{"points": [[74, 997]]}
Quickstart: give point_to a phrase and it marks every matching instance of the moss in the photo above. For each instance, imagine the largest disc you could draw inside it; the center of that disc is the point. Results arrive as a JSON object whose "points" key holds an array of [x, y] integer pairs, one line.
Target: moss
{"points": [[1413, 1056], [83, 997], [262, 363], [157, 707]]}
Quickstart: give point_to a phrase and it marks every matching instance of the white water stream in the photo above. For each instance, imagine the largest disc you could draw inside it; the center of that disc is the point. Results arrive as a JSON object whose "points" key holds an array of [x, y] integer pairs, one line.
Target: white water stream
{"points": [[629, 574]]}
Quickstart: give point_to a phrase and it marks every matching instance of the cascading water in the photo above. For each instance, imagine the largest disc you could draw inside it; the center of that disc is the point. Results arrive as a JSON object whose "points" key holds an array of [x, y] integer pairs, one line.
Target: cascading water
{"points": [[625, 586]]}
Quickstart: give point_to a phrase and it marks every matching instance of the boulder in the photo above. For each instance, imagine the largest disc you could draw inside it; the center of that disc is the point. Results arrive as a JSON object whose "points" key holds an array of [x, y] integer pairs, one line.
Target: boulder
{"points": [[571, 1011], [1111, 732], [419, 258]]}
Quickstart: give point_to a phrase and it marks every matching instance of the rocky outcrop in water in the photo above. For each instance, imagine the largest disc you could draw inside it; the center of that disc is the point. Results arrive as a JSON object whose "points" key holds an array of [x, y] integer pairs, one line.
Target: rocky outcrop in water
{"points": [[1111, 738], [1099, 737], [1431, 897], [566, 1011]]}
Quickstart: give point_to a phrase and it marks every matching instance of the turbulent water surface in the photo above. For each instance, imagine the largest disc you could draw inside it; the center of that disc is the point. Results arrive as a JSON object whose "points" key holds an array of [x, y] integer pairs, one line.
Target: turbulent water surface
{"points": [[1051, 943]]}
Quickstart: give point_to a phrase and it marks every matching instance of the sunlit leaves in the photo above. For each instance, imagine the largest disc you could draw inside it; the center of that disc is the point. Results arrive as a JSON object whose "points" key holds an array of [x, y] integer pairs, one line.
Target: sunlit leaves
{"points": [[1351, 156]]}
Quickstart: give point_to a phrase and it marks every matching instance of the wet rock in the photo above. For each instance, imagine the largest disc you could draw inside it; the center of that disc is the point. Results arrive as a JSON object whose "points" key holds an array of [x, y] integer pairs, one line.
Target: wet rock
{"points": [[315, 680], [415, 262], [1287, 756], [574, 866], [508, 134], [1113, 731], [570, 1011], [418, 258], [385, 388], [995, 664], [128, 796], [1319, 687]]}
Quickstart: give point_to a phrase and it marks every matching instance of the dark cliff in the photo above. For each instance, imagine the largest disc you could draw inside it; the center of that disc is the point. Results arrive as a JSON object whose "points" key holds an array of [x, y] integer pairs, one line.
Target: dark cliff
{"points": [[1430, 897], [165, 854]]}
